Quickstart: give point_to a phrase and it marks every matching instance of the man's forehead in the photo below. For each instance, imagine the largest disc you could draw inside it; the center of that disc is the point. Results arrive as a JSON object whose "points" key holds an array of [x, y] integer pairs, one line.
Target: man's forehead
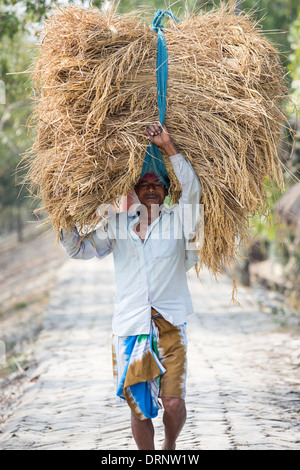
{"points": [[148, 177]]}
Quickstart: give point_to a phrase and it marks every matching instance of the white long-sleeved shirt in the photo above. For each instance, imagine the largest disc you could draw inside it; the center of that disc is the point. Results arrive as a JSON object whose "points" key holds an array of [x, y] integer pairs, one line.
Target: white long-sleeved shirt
{"points": [[150, 273]]}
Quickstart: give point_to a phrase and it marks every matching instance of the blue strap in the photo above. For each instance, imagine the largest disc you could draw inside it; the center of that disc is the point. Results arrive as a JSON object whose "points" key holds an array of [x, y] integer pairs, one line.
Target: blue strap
{"points": [[153, 161]]}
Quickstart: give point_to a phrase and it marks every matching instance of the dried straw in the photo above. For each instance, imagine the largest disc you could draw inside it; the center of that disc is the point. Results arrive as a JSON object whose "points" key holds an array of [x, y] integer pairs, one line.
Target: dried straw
{"points": [[96, 93]]}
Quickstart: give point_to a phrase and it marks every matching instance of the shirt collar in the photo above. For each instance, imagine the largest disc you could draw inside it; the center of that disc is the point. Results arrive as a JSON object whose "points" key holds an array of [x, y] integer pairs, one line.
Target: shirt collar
{"points": [[134, 212]]}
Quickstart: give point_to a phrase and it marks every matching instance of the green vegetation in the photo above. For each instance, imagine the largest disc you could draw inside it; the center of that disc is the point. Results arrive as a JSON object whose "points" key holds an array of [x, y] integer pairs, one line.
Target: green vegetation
{"points": [[294, 65]]}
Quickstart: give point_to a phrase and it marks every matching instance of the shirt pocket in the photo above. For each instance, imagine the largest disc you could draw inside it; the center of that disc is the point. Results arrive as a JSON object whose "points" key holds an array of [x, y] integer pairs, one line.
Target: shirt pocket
{"points": [[165, 244]]}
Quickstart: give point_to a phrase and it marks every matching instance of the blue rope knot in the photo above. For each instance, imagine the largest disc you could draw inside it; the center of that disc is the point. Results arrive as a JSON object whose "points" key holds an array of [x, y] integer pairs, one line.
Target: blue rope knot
{"points": [[153, 161], [158, 17]]}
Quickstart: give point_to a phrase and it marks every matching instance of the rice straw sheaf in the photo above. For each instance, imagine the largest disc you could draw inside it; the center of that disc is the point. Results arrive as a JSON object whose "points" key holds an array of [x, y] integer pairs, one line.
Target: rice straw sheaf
{"points": [[96, 92]]}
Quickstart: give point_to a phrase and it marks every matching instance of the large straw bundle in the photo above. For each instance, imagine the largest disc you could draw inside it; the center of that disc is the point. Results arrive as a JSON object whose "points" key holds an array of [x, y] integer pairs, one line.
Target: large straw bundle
{"points": [[97, 93]]}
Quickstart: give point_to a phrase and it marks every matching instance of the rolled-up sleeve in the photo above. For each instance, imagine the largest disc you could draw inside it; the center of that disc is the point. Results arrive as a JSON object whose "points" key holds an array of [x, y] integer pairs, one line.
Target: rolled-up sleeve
{"points": [[96, 244]]}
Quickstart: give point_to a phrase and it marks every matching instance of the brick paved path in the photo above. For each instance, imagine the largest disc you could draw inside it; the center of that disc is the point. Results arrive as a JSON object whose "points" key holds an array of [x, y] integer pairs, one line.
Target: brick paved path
{"points": [[243, 389]]}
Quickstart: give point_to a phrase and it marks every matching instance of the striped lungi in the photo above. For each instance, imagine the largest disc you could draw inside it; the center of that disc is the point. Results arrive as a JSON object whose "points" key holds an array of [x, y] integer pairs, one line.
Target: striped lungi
{"points": [[147, 367]]}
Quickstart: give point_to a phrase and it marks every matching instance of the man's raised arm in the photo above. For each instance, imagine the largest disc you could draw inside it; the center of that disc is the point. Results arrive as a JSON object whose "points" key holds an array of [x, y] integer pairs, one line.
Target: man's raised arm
{"points": [[97, 243], [189, 202], [190, 184]]}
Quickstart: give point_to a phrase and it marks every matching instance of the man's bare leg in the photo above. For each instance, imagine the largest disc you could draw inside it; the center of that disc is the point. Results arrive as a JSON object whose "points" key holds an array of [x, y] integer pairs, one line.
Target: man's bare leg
{"points": [[143, 433], [174, 418]]}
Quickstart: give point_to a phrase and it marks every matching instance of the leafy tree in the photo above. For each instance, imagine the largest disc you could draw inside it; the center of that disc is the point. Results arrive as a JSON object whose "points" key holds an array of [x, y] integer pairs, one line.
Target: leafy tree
{"points": [[14, 112], [294, 67], [18, 22], [275, 17]]}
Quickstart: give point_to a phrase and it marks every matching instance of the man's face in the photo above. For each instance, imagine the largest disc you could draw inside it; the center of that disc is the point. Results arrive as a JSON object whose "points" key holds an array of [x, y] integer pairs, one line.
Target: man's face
{"points": [[151, 191]]}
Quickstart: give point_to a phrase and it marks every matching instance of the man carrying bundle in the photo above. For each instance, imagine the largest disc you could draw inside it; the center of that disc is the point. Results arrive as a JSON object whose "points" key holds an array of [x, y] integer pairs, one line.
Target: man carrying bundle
{"points": [[151, 249]]}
